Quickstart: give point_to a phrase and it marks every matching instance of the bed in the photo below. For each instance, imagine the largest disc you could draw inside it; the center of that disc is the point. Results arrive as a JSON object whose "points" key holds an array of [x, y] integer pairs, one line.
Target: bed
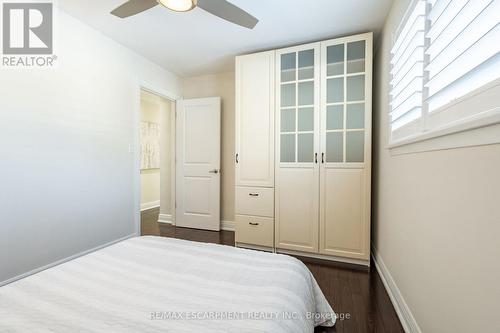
{"points": [[156, 284]]}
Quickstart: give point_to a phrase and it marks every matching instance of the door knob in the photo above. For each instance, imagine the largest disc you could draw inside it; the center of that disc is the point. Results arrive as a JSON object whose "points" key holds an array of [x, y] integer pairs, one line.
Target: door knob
{"points": [[216, 171]]}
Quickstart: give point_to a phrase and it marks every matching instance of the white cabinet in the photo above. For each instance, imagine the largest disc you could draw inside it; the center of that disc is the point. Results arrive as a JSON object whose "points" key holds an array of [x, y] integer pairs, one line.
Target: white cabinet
{"points": [[303, 132], [255, 150], [255, 120], [323, 148]]}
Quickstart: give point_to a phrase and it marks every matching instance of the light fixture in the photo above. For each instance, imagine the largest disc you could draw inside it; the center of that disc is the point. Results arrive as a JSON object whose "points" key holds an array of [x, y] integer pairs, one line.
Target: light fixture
{"points": [[178, 5]]}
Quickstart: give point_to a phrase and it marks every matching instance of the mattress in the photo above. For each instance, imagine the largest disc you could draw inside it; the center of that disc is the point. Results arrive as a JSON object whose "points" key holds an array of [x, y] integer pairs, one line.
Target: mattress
{"points": [[157, 284]]}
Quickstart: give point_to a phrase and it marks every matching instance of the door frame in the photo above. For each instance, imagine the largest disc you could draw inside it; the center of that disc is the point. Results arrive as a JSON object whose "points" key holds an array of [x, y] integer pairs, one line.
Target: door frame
{"points": [[135, 147]]}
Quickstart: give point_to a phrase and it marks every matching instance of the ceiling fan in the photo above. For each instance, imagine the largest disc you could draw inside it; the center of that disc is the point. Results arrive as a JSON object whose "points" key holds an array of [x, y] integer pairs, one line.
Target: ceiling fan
{"points": [[220, 8]]}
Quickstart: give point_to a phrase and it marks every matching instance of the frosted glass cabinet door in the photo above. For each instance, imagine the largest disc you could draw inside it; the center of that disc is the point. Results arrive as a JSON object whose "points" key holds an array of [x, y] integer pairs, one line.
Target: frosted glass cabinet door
{"points": [[345, 146], [297, 163], [343, 110], [297, 104]]}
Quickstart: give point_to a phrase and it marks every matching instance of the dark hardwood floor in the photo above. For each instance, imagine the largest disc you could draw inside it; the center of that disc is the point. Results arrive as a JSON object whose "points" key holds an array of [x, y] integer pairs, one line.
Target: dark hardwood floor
{"points": [[357, 295]]}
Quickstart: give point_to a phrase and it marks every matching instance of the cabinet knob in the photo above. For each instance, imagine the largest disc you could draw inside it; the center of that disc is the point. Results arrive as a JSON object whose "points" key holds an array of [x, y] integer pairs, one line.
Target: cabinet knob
{"points": [[253, 194], [253, 223]]}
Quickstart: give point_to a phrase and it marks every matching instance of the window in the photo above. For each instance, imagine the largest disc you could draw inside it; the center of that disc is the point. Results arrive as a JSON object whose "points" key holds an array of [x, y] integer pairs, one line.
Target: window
{"points": [[445, 66]]}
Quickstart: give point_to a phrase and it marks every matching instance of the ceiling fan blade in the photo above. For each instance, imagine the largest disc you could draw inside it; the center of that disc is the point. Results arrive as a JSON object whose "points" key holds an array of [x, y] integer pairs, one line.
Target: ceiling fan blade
{"points": [[228, 12], [133, 7]]}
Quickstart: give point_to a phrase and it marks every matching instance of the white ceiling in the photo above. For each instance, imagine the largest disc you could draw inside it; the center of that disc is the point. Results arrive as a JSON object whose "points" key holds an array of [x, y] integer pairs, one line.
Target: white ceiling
{"points": [[196, 42]]}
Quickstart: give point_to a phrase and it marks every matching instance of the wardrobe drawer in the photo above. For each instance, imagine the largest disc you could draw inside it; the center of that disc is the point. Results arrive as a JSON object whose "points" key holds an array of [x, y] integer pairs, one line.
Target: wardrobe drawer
{"points": [[256, 201], [254, 230]]}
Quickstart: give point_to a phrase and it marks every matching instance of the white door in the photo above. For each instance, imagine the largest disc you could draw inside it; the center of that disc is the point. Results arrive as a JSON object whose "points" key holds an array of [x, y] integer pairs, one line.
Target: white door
{"points": [[198, 163], [297, 146]]}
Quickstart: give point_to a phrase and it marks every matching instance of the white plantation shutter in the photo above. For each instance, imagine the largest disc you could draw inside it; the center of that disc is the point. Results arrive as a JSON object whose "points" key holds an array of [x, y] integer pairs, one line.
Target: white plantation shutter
{"points": [[463, 53], [445, 65], [407, 68]]}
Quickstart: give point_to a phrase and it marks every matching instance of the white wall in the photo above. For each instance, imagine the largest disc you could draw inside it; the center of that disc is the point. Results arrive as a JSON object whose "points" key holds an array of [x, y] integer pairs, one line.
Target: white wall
{"points": [[66, 173], [436, 221], [150, 188], [222, 85]]}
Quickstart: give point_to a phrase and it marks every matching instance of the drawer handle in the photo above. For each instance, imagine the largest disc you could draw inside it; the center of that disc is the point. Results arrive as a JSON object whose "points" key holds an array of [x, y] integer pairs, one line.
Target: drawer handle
{"points": [[253, 194], [253, 223]]}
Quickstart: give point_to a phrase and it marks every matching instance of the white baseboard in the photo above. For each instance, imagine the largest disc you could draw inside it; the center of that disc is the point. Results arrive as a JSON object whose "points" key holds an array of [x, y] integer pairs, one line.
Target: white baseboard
{"points": [[403, 311], [254, 247], [227, 225], [224, 225], [359, 262], [62, 261], [165, 218], [150, 205]]}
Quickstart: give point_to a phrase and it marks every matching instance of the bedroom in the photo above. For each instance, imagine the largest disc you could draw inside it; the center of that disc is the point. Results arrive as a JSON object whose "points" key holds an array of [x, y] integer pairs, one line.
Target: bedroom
{"points": [[375, 166]]}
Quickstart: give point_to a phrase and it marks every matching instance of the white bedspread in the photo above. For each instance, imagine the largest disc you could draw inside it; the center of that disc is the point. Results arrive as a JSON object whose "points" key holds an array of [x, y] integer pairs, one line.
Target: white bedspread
{"points": [[153, 284]]}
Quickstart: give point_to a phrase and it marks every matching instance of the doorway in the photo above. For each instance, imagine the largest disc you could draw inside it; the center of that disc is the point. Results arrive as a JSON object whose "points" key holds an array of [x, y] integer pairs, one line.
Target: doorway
{"points": [[179, 153], [157, 161]]}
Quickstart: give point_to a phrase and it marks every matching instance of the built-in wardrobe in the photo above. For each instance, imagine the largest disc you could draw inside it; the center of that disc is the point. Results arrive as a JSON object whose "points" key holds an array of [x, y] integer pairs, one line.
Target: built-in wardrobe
{"points": [[303, 149]]}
